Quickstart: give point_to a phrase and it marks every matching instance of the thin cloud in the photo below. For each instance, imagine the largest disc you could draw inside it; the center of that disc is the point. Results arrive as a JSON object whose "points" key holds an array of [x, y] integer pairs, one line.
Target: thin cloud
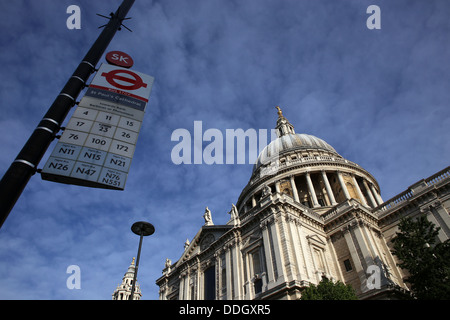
{"points": [[380, 98]]}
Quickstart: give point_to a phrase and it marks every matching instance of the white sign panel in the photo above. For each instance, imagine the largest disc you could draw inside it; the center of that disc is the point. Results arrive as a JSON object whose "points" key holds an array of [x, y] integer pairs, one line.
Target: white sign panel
{"points": [[123, 81], [99, 141]]}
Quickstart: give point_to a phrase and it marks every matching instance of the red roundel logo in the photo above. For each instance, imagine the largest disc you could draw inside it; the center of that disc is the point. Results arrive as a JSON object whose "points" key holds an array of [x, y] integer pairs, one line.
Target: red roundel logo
{"points": [[128, 80]]}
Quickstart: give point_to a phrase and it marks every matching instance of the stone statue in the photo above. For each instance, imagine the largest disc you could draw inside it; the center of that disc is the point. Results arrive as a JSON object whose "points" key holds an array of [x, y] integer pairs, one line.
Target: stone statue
{"points": [[233, 212], [234, 215], [186, 244], [266, 191], [208, 218], [168, 266]]}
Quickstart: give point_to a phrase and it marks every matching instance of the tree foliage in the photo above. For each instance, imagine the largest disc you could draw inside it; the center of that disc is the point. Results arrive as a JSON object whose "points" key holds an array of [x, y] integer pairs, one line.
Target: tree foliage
{"points": [[328, 290], [426, 260]]}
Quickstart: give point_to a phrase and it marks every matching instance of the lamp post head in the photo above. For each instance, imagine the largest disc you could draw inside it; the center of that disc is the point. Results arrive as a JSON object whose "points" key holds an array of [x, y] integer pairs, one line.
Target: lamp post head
{"points": [[143, 228]]}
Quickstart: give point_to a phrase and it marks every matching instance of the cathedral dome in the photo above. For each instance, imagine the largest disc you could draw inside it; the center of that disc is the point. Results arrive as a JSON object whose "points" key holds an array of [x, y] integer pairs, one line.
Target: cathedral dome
{"points": [[292, 142], [309, 170], [288, 141]]}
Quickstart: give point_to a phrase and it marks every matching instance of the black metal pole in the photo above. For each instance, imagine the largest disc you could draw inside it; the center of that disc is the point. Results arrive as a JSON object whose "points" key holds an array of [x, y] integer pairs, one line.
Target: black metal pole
{"points": [[136, 267], [141, 228], [25, 165]]}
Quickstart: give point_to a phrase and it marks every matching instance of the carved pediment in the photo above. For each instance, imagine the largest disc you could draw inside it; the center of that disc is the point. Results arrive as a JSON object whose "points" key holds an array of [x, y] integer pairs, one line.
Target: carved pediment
{"points": [[206, 241], [315, 240], [206, 236]]}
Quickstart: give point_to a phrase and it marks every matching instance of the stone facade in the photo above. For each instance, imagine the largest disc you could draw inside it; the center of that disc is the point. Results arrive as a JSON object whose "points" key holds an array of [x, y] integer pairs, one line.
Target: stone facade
{"points": [[305, 214]]}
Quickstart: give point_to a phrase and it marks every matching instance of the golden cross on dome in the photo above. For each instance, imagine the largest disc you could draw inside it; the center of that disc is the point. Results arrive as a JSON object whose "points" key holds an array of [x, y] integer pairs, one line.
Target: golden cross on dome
{"points": [[280, 113]]}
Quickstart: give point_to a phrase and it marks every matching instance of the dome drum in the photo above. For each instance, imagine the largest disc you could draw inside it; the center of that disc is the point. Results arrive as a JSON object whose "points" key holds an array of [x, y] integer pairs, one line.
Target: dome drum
{"points": [[319, 188]]}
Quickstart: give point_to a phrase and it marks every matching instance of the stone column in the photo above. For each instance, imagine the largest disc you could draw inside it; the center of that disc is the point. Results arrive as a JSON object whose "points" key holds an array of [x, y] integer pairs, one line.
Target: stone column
{"points": [[197, 280], [294, 189], [375, 194], [358, 189], [275, 232], [237, 265], [328, 187], [181, 289], [186, 285], [378, 196], [162, 292], [343, 186], [305, 252], [228, 271], [335, 259], [218, 275], [201, 283], [267, 253], [437, 214], [295, 242], [443, 217], [357, 263], [372, 200], [365, 243], [311, 190], [286, 243], [247, 282]]}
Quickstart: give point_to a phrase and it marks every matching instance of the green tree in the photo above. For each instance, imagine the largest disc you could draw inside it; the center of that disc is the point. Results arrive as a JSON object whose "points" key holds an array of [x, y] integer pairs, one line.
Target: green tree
{"points": [[427, 262], [328, 290]]}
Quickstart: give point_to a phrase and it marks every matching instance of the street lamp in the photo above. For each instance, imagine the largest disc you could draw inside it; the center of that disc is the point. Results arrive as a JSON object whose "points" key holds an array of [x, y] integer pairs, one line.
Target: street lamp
{"points": [[141, 228]]}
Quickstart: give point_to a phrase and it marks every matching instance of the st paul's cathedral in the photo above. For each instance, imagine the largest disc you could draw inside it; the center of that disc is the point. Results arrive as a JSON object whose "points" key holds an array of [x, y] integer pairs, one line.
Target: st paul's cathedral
{"points": [[306, 214]]}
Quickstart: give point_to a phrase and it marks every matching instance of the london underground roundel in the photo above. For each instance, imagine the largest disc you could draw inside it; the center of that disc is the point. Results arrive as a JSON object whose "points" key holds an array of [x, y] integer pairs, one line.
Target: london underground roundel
{"points": [[124, 79]]}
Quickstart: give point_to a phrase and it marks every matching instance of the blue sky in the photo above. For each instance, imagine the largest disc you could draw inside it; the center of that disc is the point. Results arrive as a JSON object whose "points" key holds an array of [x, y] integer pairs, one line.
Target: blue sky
{"points": [[379, 97]]}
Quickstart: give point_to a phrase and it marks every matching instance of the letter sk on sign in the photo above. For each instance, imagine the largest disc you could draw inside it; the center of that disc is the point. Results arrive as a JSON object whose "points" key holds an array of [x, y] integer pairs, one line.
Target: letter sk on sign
{"points": [[119, 58]]}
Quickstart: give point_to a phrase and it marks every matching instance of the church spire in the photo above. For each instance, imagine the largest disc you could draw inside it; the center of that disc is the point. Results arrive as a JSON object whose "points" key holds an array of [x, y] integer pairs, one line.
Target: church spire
{"points": [[283, 127], [123, 290]]}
